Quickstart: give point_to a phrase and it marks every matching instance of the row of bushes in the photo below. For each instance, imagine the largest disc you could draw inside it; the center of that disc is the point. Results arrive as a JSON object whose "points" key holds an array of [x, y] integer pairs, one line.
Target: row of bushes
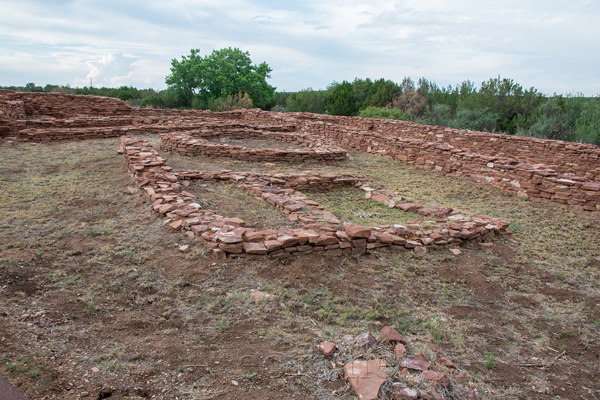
{"points": [[499, 105]]}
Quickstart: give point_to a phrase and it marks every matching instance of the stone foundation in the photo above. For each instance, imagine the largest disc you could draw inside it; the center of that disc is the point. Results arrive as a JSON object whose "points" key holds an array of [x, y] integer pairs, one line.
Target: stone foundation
{"points": [[321, 232], [195, 143], [562, 172]]}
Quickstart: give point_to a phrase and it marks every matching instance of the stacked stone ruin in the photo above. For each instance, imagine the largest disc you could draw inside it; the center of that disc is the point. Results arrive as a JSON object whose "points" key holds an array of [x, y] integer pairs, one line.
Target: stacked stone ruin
{"points": [[562, 172], [198, 142], [320, 231]]}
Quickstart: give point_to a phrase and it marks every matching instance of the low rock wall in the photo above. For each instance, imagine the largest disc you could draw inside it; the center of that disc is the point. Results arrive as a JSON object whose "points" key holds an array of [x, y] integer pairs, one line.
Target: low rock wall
{"points": [[563, 172], [321, 232], [60, 105], [198, 143], [507, 173]]}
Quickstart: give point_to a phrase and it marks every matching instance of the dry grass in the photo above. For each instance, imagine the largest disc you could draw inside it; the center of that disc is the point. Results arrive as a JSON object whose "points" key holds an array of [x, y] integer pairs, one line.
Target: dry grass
{"points": [[95, 292]]}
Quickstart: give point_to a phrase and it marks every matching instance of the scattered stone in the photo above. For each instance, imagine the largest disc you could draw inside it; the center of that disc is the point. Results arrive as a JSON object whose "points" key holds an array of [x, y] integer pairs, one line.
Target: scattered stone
{"points": [[328, 348], [435, 394], [407, 394], [434, 347], [260, 296], [456, 252], [415, 363], [390, 335], [445, 362], [400, 351], [235, 383], [184, 248], [366, 377], [365, 340], [436, 378], [421, 250], [129, 190]]}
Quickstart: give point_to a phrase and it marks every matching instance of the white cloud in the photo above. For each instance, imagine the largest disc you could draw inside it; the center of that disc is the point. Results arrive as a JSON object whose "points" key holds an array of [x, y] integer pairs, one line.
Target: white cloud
{"points": [[551, 44]]}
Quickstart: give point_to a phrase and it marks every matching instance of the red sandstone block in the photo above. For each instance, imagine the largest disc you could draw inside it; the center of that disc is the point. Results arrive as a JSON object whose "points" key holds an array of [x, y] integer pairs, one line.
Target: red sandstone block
{"points": [[326, 240]]}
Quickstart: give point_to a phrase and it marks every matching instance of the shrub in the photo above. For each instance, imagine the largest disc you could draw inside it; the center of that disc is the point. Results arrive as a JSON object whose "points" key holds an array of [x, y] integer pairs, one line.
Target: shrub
{"points": [[476, 120], [384, 113], [410, 101], [439, 114], [231, 102]]}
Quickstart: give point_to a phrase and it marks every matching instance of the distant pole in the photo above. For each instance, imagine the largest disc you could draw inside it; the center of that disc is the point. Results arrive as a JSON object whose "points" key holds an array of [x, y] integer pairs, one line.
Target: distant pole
{"points": [[91, 86]]}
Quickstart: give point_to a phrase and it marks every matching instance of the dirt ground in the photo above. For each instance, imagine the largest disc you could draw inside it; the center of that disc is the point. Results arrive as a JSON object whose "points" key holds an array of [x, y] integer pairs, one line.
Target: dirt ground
{"points": [[96, 300]]}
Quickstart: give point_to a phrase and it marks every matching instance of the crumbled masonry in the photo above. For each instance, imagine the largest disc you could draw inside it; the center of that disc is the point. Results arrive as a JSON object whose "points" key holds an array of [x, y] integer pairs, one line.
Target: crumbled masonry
{"points": [[562, 172], [322, 232]]}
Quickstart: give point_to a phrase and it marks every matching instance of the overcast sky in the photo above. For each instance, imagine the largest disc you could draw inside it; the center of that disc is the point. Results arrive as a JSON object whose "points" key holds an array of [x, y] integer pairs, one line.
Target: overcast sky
{"points": [[553, 45]]}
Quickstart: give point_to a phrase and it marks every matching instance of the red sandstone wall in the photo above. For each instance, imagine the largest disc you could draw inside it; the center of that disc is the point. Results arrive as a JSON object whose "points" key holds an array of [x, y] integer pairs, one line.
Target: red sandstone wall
{"points": [[321, 232], [60, 105], [569, 175], [564, 157], [563, 172]]}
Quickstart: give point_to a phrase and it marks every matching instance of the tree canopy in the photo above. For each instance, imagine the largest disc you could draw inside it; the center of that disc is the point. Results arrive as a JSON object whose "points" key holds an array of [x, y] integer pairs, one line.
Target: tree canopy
{"points": [[201, 81]]}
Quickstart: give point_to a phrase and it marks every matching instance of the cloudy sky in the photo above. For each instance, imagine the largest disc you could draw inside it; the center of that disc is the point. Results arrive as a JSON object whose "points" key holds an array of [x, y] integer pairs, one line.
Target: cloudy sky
{"points": [[552, 45]]}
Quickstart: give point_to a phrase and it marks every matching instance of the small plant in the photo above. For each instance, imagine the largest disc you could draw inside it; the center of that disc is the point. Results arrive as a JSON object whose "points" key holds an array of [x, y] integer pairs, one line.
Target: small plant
{"points": [[92, 232], [127, 254], [91, 306], [38, 254], [180, 368], [251, 375], [437, 327], [490, 360], [516, 227]]}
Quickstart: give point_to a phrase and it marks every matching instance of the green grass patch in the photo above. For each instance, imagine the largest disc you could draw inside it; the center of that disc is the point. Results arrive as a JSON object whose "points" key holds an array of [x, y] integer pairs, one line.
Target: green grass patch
{"points": [[350, 205]]}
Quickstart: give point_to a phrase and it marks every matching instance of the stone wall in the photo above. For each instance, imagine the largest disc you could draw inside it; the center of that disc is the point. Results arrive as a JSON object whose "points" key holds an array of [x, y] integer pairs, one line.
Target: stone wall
{"points": [[563, 172], [321, 231], [195, 143], [60, 105], [570, 174], [564, 157]]}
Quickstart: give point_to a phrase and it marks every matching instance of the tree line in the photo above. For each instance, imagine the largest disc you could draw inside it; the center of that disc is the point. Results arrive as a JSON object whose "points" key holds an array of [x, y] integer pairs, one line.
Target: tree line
{"points": [[226, 79], [499, 105]]}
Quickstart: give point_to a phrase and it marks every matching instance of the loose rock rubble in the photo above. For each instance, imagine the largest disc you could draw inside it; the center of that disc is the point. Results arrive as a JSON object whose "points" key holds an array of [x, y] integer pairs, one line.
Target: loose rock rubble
{"points": [[402, 373]]}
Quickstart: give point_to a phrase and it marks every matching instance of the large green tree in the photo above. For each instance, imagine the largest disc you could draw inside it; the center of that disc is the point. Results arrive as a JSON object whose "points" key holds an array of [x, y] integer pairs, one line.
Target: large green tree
{"points": [[340, 99], [200, 81]]}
